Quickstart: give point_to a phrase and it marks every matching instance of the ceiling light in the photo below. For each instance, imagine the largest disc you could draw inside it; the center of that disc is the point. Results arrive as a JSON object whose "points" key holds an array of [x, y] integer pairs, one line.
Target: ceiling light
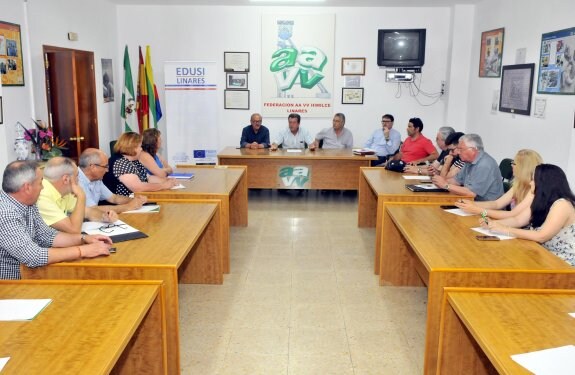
{"points": [[287, 1]]}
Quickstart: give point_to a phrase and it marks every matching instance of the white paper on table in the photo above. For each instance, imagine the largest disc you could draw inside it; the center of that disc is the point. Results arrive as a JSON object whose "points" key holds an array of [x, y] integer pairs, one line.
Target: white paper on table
{"points": [[553, 361], [22, 309], [572, 315], [3, 362], [293, 150], [458, 212], [421, 178], [488, 232], [94, 227], [145, 209], [178, 186]]}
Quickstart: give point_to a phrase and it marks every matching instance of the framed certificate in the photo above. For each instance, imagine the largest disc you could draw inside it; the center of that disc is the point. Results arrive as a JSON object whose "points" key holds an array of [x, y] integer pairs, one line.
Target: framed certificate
{"points": [[236, 61], [353, 66], [352, 95], [236, 99]]}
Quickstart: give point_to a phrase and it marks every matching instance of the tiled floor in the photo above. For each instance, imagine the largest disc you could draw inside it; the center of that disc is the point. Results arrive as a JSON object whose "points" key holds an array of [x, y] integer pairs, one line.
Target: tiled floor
{"points": [[302, 298]]}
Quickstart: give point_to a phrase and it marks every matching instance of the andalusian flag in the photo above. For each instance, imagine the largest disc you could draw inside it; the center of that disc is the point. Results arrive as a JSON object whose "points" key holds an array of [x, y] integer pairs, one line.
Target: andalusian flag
{"points": [[153, 99], [128, 109], [143, 106]]}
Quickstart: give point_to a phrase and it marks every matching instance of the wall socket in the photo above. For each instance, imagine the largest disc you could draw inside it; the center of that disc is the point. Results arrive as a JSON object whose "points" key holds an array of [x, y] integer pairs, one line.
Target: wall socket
{"points": [[443, 88]]}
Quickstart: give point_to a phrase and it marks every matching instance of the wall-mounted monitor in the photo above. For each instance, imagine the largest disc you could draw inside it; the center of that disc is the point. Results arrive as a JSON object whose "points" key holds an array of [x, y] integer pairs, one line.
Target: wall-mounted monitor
{"points": [[401, 48]]}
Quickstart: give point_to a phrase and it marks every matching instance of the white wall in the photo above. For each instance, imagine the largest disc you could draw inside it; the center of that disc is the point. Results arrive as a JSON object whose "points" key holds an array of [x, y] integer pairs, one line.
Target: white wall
{"points": [[95, 23], [504, 133], [202, 33], [15, 99]]}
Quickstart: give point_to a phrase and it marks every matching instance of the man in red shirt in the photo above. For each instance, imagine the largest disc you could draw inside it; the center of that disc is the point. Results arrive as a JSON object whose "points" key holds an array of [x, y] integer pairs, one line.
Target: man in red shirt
{"points": [[416, 148]]}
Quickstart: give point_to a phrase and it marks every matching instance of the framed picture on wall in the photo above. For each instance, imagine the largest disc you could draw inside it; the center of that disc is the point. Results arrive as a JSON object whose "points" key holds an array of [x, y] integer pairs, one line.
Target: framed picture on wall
{"points": [[516, 89], [236, 99], [491, 53], [1, 112], [236, 81], [352, 95], [557, 63], [353, 66], [11, 66], [236, 61]]}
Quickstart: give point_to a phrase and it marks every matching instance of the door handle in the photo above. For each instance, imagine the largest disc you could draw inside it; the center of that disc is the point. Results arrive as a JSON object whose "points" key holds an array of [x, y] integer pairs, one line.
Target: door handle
{"points": [[77, 139], [73, 138], [81, 138]]}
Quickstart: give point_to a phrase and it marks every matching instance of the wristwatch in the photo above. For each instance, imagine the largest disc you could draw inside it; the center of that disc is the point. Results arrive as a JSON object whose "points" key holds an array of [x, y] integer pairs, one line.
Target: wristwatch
{"points": [[446, 187]]}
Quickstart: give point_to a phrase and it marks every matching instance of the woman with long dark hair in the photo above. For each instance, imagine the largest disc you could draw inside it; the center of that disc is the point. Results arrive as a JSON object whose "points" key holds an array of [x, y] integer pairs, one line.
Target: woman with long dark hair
{"points": [[551, 215], [150, 158]]}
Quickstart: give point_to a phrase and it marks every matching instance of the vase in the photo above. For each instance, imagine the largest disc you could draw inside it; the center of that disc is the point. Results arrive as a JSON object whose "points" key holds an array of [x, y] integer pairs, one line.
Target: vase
{"points": [[21, 149], [37, 152]]}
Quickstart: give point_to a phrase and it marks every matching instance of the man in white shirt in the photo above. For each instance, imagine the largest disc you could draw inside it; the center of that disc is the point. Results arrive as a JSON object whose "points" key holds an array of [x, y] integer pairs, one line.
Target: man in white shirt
{"points": [[293, 136], [385, 141]]}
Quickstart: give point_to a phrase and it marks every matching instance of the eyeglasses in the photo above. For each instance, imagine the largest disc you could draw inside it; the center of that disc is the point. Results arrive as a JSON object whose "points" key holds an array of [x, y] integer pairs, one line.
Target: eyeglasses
{"points": [[451, 149], [106, 167], [384, 121], [513, 163], [463, 148], [109, 228]]}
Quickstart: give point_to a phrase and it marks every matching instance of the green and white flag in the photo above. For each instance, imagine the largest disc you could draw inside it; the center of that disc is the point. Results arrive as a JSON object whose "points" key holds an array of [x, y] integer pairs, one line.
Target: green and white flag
{"points": [[128, 109]]}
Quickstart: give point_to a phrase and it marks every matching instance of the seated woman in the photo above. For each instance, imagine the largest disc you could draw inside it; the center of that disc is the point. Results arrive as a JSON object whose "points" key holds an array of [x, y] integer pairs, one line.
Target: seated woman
{"points": [[551, 214], [155, 164], [126, 174], [518, 197]]}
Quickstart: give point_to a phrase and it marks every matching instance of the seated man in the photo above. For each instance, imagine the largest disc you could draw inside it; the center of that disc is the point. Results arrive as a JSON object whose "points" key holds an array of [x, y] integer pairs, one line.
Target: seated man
{"points": [[25, 238], [440, 138], [479, 178], [337, 136], [255, 135], [294, 136], [385, 142], [62, 202], [93, 166], [416, 148]]}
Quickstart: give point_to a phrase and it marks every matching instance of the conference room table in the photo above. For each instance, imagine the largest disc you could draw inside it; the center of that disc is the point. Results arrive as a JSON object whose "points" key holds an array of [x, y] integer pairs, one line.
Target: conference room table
{"points": [[325, 169], [379, 187], [429, 246], [88, 328], [482, 328], [227, 184], [184, 245]]}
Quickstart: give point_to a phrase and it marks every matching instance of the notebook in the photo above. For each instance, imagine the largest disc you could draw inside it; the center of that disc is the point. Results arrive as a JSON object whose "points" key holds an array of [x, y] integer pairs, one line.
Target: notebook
{"points": [[181, 175], [425, 188]]}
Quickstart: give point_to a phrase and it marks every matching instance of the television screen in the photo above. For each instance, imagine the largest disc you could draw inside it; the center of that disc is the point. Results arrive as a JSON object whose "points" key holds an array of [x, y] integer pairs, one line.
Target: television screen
{"points": [[401, 48]]}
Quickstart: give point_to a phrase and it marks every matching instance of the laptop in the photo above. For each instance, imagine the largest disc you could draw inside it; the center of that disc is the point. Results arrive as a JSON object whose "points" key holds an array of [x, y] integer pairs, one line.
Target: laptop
{"points": [[425, 188]]}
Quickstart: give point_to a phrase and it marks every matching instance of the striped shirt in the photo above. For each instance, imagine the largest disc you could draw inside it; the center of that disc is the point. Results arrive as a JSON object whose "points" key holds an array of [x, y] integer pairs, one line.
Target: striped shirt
{"points": [[24, 237]]}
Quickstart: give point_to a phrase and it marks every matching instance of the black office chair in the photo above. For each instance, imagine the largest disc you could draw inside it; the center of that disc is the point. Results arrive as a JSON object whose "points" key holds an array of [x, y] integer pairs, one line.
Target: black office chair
{"points": [[506, 172], [112, 144]]}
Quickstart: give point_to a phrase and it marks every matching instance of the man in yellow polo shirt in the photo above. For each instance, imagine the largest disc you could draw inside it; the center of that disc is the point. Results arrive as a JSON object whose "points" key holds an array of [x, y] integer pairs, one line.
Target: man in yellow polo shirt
{"points": [[62, 202]]}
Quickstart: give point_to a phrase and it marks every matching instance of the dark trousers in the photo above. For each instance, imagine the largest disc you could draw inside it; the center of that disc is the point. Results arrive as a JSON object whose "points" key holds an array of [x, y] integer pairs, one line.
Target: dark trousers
{"points": [[380, 160]]}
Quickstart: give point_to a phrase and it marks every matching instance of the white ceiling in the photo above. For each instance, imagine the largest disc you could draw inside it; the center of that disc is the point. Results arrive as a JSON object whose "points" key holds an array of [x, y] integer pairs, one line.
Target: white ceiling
{"points": [[327, 3]]}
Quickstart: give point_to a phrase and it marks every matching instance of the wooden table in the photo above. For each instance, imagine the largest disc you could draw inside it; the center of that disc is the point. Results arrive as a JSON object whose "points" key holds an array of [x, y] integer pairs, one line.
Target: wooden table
{"points": [[482, 328], [229, 185], [184, 244], [379, 187], [428, 246], [329, 169], [88, 328]]}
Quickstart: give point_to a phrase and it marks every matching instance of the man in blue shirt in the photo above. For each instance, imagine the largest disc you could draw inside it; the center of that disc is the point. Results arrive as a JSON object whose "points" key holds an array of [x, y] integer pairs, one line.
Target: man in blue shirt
{"points": [[385, 141], [255, 135]]}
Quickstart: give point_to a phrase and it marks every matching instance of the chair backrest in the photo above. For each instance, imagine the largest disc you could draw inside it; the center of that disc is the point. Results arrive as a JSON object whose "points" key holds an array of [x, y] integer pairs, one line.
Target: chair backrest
{"points": [[506, 169], [112, 144]]}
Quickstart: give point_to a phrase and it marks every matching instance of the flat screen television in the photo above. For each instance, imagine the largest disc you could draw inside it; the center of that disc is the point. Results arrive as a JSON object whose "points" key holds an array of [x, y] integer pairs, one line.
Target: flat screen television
{"points": [[401, 48]]}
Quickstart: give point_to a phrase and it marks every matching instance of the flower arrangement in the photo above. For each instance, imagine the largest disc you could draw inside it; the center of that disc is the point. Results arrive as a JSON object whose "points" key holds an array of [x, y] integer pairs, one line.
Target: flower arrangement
{"points": [[43, 142]]}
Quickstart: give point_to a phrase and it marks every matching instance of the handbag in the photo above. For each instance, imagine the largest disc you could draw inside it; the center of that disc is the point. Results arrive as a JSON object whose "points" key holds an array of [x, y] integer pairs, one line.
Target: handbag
{"points": [[395, 165]]}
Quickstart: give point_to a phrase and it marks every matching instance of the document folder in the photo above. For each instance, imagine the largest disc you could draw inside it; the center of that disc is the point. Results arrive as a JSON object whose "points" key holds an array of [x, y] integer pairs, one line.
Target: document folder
{"points": [[425, 188]]}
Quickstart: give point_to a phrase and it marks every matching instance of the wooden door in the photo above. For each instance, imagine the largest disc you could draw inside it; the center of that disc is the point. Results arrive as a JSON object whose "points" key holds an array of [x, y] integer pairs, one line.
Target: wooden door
{"points": [[71, 96]]}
